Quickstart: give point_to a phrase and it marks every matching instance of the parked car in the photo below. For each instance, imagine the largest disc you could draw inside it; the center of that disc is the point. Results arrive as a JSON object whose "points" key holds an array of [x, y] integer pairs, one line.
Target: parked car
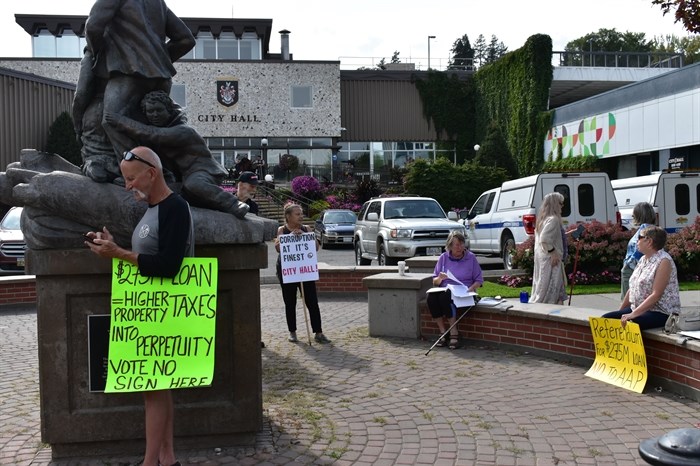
{"points": [[335, 226], [391, 229], [674, 195], [11, 243], [505, 217]]}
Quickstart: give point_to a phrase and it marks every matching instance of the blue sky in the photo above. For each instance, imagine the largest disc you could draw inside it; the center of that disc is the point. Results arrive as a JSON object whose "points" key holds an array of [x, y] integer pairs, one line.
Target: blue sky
{"points": [[329, 30]]}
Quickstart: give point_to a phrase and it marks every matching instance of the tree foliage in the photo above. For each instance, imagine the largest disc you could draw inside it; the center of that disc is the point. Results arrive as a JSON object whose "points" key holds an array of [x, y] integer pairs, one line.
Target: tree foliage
{"points": [[462, 55], [63, 141], [452, 186], [488, 53], [494, 152], [686, 11]]}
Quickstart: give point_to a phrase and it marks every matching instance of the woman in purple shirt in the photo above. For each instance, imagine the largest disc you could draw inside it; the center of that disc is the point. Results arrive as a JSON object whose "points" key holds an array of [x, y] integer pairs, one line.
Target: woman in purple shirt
{"points": [[463, 265]]}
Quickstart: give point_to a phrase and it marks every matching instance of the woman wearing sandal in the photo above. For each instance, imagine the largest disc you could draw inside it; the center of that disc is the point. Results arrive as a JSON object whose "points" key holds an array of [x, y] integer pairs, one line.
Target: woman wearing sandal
{"points": [[463, 265]]}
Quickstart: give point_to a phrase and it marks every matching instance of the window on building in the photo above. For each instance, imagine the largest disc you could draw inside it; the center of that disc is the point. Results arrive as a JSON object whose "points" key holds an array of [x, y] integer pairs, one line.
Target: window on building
{"points": [[178, 94], [68, 45], [250, 46], [227, 46], [43, 44], [301, 97], [205, 48]]}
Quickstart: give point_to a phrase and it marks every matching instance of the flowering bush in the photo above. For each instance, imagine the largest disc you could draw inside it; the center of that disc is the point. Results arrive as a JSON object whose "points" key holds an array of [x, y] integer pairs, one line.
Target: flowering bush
{"points": [[306, 186], [343, 202], [684, 247], [515, 281]]}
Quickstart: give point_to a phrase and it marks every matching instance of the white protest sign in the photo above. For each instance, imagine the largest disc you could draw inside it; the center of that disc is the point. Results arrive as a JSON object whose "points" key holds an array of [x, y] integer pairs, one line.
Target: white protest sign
{"points": [[298, 258]]}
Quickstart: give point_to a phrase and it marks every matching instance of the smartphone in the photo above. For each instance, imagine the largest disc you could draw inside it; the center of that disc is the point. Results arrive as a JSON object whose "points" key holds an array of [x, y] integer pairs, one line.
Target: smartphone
{"points": [[89, 238]]}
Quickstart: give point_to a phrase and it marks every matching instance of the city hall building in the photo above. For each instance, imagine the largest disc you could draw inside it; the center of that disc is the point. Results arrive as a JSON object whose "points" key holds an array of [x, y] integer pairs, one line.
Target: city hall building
{"points": [[247, 101]]}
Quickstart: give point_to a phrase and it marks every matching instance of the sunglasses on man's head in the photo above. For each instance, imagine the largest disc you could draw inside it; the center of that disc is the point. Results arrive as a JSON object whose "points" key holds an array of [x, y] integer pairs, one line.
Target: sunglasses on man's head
{"points": [[129, 156]]}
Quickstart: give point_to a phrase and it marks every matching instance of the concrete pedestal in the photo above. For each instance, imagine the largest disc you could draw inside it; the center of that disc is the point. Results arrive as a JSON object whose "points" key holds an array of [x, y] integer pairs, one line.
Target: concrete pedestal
{"points": [[74, 284], [393, 302]]}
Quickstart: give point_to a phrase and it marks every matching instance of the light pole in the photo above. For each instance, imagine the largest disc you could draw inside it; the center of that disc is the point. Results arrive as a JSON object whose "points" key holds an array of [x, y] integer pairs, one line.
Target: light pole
{"points": [[429, 37], [263, 143]]}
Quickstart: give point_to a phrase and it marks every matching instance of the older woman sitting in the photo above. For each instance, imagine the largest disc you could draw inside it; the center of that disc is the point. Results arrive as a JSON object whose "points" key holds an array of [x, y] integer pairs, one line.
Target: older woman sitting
{"points": [[653, 292]]}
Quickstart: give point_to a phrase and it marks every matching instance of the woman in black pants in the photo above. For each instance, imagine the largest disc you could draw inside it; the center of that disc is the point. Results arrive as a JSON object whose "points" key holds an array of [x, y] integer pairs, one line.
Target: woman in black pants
{"points": [[293, 216]]}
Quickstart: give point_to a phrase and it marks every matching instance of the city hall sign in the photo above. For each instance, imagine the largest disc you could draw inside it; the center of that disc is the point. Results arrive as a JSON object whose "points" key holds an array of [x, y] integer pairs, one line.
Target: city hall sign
{"points": [[227, 95]]}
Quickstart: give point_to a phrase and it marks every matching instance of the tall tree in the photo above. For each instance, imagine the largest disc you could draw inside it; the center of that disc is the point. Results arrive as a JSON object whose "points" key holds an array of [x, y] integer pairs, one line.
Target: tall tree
{"points": [[583, 50], [495, 50], [480, 50], [462, 55], [395, 57], [494, 152], [687, 12]]}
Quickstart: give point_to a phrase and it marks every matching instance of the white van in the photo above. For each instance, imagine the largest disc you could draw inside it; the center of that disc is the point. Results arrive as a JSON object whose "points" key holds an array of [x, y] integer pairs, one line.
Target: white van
{"points": [[504, 217], [674, 195]]}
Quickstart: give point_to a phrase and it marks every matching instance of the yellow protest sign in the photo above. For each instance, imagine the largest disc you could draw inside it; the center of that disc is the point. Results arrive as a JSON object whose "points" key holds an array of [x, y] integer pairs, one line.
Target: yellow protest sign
{"points": [[162, 329], [619, 354]]}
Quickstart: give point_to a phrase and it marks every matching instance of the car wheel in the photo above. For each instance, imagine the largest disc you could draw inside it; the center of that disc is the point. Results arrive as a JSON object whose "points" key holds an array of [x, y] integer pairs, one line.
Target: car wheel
{"points": [[382, 259], [359, 260], [508, 251]]}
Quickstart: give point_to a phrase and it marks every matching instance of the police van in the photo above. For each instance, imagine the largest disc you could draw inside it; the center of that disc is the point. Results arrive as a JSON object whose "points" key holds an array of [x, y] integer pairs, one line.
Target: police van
{"points": [[505, 217], [674, 195]]}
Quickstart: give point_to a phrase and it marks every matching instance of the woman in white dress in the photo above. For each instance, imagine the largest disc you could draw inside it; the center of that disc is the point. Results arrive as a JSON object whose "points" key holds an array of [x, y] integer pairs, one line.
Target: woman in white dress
{"points": [[549, 277]]}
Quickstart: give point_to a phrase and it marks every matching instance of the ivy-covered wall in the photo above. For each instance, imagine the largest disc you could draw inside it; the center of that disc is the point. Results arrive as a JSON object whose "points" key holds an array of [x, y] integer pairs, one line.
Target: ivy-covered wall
{"points": [[513, 92]]}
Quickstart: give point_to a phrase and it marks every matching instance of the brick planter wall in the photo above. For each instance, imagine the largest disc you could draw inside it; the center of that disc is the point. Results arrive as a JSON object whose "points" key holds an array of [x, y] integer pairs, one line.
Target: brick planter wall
{"points": [[20, 289], [666, 358], [346, 280]]}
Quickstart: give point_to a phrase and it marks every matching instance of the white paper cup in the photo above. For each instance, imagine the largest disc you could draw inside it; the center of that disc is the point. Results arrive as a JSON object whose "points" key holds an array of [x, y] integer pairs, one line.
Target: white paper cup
{"points": [[402, 268]]}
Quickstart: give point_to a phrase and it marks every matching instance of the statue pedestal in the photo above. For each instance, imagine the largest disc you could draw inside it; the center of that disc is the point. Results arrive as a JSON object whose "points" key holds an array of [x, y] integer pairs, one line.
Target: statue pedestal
{"points": [[73, 284]]}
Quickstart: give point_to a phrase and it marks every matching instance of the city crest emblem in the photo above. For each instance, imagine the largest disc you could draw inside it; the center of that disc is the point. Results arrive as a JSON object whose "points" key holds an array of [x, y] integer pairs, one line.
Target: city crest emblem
{"points": [[227, 92]]}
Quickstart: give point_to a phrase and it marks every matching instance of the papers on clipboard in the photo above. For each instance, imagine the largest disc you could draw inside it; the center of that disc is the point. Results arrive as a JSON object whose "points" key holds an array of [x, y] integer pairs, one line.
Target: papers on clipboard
{"points": [[461, 296]]}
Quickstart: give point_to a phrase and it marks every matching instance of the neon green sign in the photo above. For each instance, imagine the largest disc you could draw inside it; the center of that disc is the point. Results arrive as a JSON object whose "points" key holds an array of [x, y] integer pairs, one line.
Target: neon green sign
{"points": [[162, 329]]}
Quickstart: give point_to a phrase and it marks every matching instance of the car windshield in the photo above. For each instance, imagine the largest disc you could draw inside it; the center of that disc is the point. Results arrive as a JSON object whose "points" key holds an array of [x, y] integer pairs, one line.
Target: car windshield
{"points": [[413, 209], [11, 220], [340, 217]]}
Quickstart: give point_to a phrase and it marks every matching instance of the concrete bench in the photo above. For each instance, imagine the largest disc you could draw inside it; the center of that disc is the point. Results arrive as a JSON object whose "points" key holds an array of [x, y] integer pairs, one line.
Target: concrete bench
{"points": [[394, 303]]}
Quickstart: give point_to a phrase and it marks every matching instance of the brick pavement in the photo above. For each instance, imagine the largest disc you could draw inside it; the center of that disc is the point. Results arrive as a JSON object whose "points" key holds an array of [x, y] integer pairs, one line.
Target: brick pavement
{"points": [[376, 401]]}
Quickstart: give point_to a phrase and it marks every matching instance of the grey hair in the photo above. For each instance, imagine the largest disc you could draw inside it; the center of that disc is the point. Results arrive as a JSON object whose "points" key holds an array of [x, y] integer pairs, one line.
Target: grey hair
{"points": [[643, 212], [456, 235]]}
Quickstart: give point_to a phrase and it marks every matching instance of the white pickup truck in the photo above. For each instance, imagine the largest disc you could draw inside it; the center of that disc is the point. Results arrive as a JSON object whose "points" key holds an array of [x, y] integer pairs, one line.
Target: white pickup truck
{"points": [[674, 195], [504, 217]]}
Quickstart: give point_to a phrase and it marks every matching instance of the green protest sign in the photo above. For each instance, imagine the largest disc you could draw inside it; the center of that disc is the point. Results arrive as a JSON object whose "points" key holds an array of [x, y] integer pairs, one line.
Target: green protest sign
{"points": [[162, 329]]}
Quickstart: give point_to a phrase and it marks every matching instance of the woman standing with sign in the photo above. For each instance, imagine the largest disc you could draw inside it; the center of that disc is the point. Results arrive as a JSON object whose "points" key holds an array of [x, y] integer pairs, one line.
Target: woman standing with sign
{"points": [[293, 216], [549, 278]]}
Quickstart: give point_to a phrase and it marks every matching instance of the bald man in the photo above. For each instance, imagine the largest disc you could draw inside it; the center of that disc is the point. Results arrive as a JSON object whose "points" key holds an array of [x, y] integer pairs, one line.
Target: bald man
{"points": [[161, 240]]}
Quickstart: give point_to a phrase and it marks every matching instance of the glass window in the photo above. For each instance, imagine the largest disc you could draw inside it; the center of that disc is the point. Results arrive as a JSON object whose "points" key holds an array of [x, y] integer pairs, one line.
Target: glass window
{"points": [[68, 45], [250, 46], [218, 155], [301, 97], [682, 192], [177, 93], [564, 191], [697, 196], [363, 210], [205, 48], [228, 46], [586, 200], [375, 207], [479, 206], [44, 44]]}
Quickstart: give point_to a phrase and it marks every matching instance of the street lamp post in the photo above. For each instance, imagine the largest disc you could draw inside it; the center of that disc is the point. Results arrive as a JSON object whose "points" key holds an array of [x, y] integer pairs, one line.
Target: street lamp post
{"points": [[263, 144], [429, 37]]}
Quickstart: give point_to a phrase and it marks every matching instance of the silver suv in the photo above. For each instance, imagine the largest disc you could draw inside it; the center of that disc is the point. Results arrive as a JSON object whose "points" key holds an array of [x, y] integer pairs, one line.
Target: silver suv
{"points": [[390, 229]]}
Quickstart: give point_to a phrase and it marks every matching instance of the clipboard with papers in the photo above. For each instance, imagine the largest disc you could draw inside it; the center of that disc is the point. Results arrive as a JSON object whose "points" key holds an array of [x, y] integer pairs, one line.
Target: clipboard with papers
{"points": [[461, 296]]}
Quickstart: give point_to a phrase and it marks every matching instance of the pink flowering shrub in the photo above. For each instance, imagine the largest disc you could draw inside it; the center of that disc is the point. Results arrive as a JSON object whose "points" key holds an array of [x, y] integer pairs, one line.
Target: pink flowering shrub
{"points": [[343, 201], [601, 251], [306, 186], [684, 247]]}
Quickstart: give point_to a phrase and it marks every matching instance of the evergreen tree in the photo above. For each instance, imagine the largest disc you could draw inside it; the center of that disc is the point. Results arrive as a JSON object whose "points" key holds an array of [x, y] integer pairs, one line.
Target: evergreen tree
{"points": [[494, 152], [462, 55], [63, 141], [480, 50]]}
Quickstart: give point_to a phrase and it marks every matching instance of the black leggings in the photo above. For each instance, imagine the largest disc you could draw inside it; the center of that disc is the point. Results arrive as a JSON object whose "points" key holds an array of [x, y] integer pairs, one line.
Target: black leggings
{"points": [[289, 295], [440, 304]]}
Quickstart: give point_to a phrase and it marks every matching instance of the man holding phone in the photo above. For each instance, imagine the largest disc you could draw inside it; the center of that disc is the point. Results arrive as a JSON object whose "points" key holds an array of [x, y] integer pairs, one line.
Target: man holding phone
{"points": [[161, 240]]}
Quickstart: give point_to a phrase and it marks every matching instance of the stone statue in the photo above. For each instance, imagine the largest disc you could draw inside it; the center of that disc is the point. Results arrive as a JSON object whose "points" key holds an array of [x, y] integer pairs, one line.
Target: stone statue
{"points": [[183, 151], [135, 43]]}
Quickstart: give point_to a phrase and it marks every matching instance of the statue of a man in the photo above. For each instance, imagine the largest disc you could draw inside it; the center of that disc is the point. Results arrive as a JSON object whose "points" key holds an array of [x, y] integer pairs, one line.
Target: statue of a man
{"points": [[183, 151], [134, 44]]}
